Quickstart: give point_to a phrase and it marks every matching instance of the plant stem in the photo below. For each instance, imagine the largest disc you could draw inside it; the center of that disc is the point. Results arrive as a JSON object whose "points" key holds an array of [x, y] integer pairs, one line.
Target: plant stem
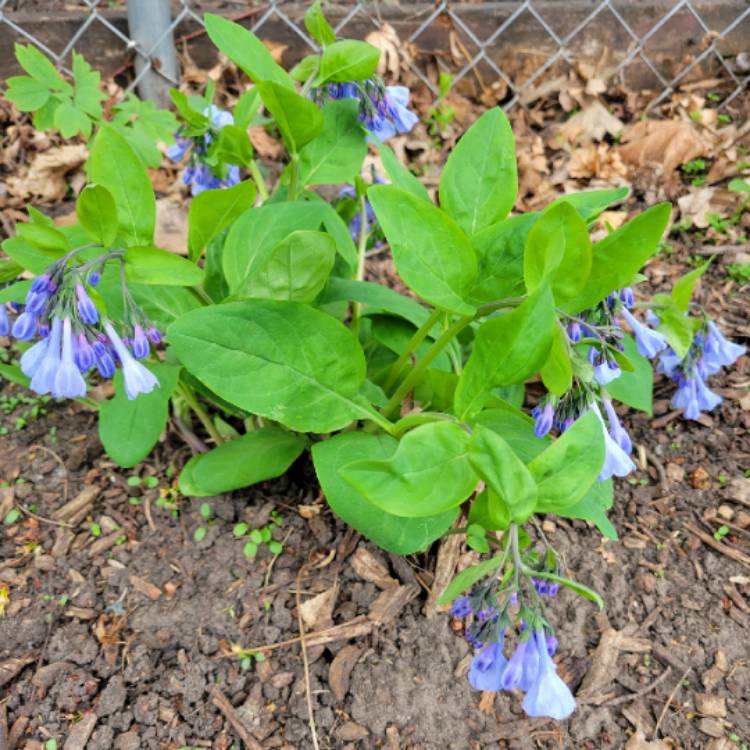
{"points": [[419, 336], [260, 183], [293, 176], [361, 246], [187, 393], [425, 362]]}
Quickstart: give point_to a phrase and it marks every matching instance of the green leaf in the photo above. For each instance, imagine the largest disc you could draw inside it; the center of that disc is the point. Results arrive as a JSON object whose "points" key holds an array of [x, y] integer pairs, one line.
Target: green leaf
{"points": [[467, 578], [579, 588], [246, 108], [336, 155], [499, 250], [557, 370], [400, 176], [28, 256], [87, 97], [298, 118], [70, 120], [113, 164], [317, 25], [27, 93], [212, 211], [13, 374], [257, 231], [305, 68], [593, 506], [516, 428], [590, 203], [151, 265], [431, 252], [244, 49], [164, 304], [281, 360], [617, 258], [9, 270], [396, 534], [566, 470], [97, 213], [489, 511], [634, 388], [43, 237], [296, 269], [675, 325], [503, 472], [197, 123], [428, 474], [479, 183], [259, 455], [348, 60], [232, 146], [558, 252], [682, 291], [129, 429], [507, 349], [38, 66]]}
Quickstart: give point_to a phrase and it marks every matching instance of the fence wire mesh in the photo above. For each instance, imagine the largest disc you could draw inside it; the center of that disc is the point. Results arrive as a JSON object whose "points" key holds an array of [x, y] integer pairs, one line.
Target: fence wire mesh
{"points": [[516, 43]]}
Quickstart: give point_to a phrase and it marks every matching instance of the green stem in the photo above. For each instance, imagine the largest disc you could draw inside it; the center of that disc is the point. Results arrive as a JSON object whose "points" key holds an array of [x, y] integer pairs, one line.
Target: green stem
{"points": [[419, 336], [187, 393], [414, 376], [361, 246], [293, 177], [260, 183]]}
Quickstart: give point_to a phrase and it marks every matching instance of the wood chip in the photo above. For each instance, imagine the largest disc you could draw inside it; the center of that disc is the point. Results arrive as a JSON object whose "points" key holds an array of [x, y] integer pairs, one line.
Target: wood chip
{"points": [[371, 567], [711, 705], [711, 727], [448, 553], [317, 612], [341, 669], [80, 732], [639, 742], [101, 545], [11, 667], [80, 502], [222, 703], [389, 604], [142, 586]]}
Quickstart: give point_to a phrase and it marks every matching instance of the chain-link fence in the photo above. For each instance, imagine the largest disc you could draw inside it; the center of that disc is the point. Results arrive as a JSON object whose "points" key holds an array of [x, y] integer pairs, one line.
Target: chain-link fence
{"points": [[660, 45]]}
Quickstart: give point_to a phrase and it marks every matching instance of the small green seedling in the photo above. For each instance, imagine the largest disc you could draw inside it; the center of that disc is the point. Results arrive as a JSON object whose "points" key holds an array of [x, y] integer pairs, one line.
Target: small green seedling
{"points": [[206, 512], [254, 538], [721, 532], [246, 656]]}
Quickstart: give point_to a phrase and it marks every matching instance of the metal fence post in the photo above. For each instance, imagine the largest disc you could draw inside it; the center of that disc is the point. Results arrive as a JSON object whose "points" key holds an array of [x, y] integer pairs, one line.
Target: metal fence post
{"points": [[156, 65]]}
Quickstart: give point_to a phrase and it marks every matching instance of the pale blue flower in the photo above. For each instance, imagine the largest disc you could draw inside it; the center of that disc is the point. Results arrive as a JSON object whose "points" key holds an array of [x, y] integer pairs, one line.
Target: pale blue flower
{"points": [[487, 667], [548, 695], [69, 382], [138, 379]]}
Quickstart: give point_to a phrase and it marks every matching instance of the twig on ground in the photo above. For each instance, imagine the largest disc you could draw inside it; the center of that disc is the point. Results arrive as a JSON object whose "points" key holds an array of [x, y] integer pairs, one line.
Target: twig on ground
{"points": [[222, 703], [305, 664], [42, 519], [669, 702], [3, 727], [640, 693], [725, 549], [147, 513]]}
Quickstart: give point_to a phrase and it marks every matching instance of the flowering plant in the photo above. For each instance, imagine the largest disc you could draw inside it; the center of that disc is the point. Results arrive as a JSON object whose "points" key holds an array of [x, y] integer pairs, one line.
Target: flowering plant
{"points": [[411, 404]]}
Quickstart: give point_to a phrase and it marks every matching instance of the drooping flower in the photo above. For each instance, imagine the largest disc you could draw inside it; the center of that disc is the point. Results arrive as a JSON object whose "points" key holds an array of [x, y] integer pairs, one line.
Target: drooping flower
{"points": [[513, 671], [4, 321], [43, 378], [648, 341], [693, 396], [487, 667], [25, 326], [719, 351], [32, 357], [618, 433], [543, 418], [138, 379], [86, 308], [548, 695], [617, 463], [68, 380]]}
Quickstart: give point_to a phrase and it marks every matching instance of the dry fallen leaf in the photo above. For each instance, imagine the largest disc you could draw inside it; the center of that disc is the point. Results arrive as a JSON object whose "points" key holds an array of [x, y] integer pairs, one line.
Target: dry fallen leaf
{"points": [[317, 612], [639, 742], [590, 124], [597, 161], [171, 226], [45, 178], [391, 50], [264, 145]]}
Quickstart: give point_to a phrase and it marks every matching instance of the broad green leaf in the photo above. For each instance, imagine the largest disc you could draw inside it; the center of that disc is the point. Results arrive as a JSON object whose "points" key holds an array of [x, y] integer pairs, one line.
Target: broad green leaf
{"points": [[244, 49], [164, 304], [233, 146], [38, 66], [634, 388], [295, 269], [431, 252], [620, 255], [97, 213], [503, 472], [489, 511], [129, 429], [590, 203], [399, 175], [516, 428], [114, 165], [246, 108], [499, 250], [674, 324], [396, 534], [43, 237], [281, 360], [197, 123], [258, 230], [376, 297], [317, 25], [479, 182], [348, 60], [336, 155], [467, 578], [305, 68], [428, 474], [259, 455], [28, 256], [87, 98], [13, 374], [682, 290], [557, 370], [212, 211], [299, 120], [26, 93], [44, 117], [151, 265], [9, 270], [558, 252], [593, 506], [507, 349], [566, 470]]}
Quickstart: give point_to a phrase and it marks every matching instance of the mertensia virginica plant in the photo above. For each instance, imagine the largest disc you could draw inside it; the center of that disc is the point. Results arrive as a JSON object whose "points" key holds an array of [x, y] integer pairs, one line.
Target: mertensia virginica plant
{"points": [[264, 340]]}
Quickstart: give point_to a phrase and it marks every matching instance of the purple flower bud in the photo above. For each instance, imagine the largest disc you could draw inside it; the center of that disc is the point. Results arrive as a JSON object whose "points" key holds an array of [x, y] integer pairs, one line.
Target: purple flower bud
{"points": [[25, 326], [86, 308], [626, 296], [140, 343], [154, 335], [4, 321], [94, 278], [41, 284], [35, 302], [106, 365], [43, 330], [575, 332], [543, 423], [461, 607], [84, 353]]}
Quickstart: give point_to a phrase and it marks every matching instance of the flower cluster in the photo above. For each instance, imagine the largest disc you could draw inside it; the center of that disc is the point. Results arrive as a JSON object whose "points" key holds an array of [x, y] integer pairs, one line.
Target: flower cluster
{"points": [[74, 338], [708, 353], [199, 175], [493, 615], [383, 109]]}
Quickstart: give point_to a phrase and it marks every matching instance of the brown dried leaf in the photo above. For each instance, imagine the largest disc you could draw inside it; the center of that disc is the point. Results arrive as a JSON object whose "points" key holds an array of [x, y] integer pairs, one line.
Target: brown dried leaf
{"points": [[264, 145], [45, 178], [700, 479], [639, 742], [372, 568], [391, 51], [341, 669], [317, 612], [107, 631], [590, 124], [599, 161]]}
